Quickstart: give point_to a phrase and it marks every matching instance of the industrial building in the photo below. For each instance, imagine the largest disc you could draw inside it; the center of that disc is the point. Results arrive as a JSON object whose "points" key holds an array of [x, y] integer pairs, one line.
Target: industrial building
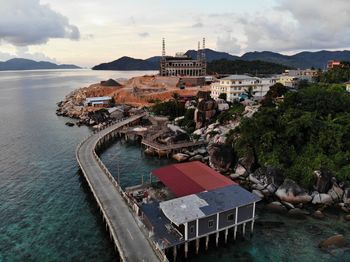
{"points": [[183, 65]]}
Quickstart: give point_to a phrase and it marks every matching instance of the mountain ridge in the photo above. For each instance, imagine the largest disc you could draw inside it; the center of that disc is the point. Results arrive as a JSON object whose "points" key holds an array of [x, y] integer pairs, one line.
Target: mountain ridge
{"points": [[29, 64], [302, 60]]}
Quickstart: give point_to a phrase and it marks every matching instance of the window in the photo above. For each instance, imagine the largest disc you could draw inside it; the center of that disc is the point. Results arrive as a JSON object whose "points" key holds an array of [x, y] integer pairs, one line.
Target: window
{"points": [[230, 217], [192, 229], [210, 223]]}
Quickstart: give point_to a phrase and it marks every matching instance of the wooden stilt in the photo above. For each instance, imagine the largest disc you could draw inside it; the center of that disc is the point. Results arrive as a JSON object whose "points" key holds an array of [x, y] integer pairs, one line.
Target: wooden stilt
{"points": [[206, 242], [186, 249], [197, 246], [175, 252], [244, 229], [217, 239], [235, 233], [226, 234]]}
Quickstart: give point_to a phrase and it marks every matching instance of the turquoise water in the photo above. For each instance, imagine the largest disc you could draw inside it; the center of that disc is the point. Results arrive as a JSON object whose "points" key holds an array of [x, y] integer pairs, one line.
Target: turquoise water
{"points": [[46, 210]]}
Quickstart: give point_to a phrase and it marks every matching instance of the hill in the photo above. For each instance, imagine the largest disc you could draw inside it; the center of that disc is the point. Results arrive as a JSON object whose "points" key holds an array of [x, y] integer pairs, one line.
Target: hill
{"points": [[27, 64], [301, 60], [224, 66], [128, 63], [212, 55]]}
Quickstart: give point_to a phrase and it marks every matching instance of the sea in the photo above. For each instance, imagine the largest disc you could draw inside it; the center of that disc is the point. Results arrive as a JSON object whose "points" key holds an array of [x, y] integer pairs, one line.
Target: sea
{"points": [[47, 212]]}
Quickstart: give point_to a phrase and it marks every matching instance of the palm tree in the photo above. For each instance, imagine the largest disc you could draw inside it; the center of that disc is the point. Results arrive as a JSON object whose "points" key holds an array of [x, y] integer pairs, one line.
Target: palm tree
{"points": [[249, 92]]}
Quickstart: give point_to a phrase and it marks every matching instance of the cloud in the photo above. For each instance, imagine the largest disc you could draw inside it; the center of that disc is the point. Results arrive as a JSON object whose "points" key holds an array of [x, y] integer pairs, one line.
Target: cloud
{"points": [[228, 43], [285, 27], [27, 22], [299, 24], [197, 25], [144, 34]]}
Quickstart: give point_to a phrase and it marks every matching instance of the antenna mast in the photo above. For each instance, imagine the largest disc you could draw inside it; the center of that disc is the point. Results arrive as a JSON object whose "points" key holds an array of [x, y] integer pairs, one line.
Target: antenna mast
{"points": [[163, 47], [203, 49]]}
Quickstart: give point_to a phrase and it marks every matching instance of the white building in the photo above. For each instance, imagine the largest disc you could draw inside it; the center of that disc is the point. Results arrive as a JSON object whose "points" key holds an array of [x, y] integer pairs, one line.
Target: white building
{"points": [[98, 101], [235, 85]]}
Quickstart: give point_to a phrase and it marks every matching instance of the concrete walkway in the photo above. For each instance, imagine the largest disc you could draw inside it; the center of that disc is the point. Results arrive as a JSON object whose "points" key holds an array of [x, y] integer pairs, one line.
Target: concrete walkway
{"points": [[127, 235]]}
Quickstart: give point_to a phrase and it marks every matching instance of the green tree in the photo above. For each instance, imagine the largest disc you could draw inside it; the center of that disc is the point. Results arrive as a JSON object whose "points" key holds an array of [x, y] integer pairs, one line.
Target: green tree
{"points": [[223, 96]]}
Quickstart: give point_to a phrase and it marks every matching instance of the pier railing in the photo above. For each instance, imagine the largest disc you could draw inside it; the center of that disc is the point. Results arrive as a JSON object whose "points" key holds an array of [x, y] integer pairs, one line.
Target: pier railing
{"points": [[131, 203]]}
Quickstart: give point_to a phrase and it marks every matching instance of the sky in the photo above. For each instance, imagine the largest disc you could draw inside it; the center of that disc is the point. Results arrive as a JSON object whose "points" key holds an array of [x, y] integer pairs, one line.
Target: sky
{"points": [[89, 32]]}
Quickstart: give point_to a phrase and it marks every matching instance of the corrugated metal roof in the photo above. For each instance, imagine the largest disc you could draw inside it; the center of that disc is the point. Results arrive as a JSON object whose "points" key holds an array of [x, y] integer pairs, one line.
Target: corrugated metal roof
{"points": [[191, 178], [196, 206], [238, 77], [101, 98]]}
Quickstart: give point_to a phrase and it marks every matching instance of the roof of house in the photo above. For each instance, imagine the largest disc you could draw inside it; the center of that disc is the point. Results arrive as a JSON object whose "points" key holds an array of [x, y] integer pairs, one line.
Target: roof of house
{"points": [[191, 178], [238, 77], [204, 204], [101, 98]]}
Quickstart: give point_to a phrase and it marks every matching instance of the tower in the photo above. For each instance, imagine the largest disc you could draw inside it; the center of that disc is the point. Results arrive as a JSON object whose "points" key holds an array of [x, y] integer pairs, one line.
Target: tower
{"points": [[204, 59], [162, 65], [163, 47]]}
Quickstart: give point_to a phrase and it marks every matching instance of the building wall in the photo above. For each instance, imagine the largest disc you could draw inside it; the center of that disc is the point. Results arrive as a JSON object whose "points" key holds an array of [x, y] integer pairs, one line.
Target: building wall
{"points": [[223, 218], [187, 67], [233, 88], [348, 87], [192, 233], [203, 225], [245, 213]]}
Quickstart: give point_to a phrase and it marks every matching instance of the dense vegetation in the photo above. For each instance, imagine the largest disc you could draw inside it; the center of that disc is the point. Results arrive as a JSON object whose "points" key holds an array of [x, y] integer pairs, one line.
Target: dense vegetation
{"points": [[172, 108], [337, 75], [234, 111], [309, 130], [224, 66]]}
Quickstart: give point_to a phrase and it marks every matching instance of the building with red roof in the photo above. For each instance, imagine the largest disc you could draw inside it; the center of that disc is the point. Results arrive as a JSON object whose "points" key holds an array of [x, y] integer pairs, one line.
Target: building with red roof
{"points": [[191, 178]]}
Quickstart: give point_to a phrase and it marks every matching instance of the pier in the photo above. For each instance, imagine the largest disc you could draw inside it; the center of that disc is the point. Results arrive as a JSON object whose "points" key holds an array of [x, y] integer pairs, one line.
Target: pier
{"points": [[125, 229]]}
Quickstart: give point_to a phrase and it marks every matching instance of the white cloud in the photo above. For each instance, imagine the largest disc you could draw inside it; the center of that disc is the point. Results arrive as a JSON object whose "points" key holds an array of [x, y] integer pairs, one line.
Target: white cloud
{"points": [[228, 43], [144, 34], [286, 26], [299, 24], [27, 22]]}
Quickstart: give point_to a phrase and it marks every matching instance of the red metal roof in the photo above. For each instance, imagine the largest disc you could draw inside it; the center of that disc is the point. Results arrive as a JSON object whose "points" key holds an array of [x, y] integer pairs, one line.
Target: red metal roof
{"points": [[191, 178]]}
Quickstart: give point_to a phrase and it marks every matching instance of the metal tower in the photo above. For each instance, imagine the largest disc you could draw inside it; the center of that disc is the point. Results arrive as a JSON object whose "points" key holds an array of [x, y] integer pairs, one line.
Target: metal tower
{"points": [[203, 49], [163, 47]]}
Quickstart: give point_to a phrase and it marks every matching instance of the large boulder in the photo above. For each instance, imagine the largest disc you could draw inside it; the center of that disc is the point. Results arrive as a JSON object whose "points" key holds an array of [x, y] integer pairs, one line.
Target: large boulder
{"points": [[336, 241], [239, 171], [323, 181], [291, 192], [336, 193], [180, 157], [248, 161], [220, 157], [346, 196], [322, 199], [267, 178]]}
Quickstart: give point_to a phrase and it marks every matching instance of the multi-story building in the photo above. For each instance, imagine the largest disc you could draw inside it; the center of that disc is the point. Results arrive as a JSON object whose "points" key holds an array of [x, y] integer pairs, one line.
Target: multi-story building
{"points": [[333, 63], [235, 85], [183, 65], [309, 75], [288, 81]]}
